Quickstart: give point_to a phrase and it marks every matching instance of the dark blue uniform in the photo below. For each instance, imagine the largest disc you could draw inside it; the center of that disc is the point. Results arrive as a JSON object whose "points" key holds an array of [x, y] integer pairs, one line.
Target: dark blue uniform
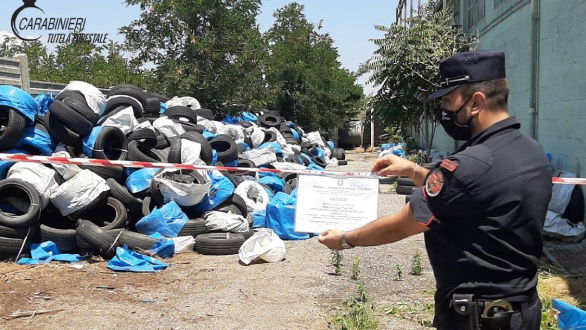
{"points": [[485, 206]]}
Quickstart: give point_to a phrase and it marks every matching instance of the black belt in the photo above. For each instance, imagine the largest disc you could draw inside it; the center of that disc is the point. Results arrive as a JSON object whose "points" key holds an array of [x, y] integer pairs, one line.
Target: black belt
{"points": [[488, 313]]}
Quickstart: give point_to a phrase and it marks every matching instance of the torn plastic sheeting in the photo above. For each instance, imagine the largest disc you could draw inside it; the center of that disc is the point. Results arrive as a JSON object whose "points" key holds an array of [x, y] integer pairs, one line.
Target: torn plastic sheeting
{"points": [[557, 227], [168, 127], [275, 182], [561, 193], [222, 221], [41, 177], [319, 153], [208, 135], [37, 139], [123, 120], [285, 166], [129, 261], [281, 217], [164, 247], [185, 194], [167, 220], [260, 156], [67, 171], [191, 152], [235, 132], [221, 188], [214, 156], [295, 134], [164, 108], [259, 219], [248, 116], [183, 243], [229, 119], [44, 102], [256, 134], [78, 192], [274, 146], [331, 144], [332, 162], [315, 138], [253, 194], [314, 166], [210, 125], [19, 100], [264, 245], [90, 140], [280, 139], [45, 252], [141, 179], [186, 101], [569, 317]]}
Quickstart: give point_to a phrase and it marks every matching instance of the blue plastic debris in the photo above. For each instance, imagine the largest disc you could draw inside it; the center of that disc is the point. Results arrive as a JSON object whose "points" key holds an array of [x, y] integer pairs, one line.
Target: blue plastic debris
{"points": [[126, 260], [43, 253]]}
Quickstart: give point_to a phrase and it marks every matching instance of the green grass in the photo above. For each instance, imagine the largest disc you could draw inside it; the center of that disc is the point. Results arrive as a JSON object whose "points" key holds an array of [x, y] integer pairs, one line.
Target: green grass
{"points": [[357, 313]]}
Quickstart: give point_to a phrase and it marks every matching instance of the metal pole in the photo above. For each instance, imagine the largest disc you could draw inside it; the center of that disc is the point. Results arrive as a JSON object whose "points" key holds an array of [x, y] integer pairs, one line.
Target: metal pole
{"points": [[371, 130]]}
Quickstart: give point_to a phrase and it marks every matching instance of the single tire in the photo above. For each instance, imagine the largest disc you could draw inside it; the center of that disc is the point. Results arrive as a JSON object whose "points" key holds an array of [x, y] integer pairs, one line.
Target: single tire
{"points": [[270, 136], [225, 147], [111, 144], [148, 204], [122, 194], [175, 152], [177, 112], [60, 132], [319, 162], [218, 243], [120, 101], [111, 215], [339, 154], [71, 118], [194, 227], [270, 120], [144, 136], [342, 162], [191, 127], [405, 190], [9, 247], [79, 104], [136, 241], [19, 203], [85, 248], [16, 232], [12, 125], [162, 142], [247, 234], [104, 244], [144, 153], [205, 113], [65, 239], [152, 105]]}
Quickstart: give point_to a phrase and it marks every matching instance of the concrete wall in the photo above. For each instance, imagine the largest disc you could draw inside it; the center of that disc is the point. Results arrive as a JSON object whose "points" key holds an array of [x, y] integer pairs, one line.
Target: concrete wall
{"points": [[561, 99]]}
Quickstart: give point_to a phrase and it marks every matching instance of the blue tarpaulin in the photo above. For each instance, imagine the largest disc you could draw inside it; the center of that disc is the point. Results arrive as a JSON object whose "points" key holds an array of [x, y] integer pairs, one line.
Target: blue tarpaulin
{"points": [[43, 253], [221, 189], [281, 217], [130, 261], [90, 140], [37, 139], [140, 180], [44, 101], [168, 220], [19, 100], [570, 317]]}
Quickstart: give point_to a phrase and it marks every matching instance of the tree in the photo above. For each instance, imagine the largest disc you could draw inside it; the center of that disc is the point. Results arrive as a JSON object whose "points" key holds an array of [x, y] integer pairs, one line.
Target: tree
{"points": [[209, 49], [405, 66], [306, 81]]}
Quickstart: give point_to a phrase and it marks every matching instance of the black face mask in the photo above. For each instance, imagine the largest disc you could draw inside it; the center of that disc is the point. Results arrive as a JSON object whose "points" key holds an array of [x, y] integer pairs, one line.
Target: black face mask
{"points": [[449, 121]]}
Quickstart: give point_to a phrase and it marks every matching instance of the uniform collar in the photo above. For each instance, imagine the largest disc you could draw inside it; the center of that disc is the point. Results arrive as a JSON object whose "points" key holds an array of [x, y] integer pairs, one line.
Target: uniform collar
{"points": [[511, 122]]}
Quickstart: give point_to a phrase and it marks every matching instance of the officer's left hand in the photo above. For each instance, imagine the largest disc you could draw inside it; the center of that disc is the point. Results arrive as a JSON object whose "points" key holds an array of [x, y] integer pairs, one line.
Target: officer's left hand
{"points": [[332, 238]]}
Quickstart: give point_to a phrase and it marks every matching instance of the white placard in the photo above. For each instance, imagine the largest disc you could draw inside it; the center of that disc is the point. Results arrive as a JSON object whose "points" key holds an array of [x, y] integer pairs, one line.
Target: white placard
{"points": [[329, 202]]}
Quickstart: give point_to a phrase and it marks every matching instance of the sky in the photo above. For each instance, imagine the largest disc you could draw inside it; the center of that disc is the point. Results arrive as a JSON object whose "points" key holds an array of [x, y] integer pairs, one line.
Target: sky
{"points": [[349, 22]]}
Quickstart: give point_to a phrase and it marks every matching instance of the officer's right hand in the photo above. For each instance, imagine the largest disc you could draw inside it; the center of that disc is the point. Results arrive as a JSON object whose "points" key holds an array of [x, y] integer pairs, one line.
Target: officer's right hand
{"points": [[393, 165]]}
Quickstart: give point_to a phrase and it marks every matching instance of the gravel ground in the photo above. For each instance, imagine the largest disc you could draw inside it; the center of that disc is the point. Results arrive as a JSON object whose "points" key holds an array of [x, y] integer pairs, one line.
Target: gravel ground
{"points": [[209, 292]]}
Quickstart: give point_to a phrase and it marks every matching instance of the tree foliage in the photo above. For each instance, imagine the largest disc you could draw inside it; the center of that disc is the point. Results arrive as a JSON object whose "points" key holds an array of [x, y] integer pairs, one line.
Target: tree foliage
{"points": [[306, 80], [405, 65], [210, 49]]}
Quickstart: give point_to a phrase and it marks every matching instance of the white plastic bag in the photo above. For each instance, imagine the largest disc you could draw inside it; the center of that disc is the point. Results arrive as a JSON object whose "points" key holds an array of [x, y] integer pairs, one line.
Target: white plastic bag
{"points": [[124, 120], [557, 227], [190, 152], [233, 131], [315, 138], [168, 127], [183, 243], [280, 139], [186, 101], [39, 176], [284, 166], [184, 194], [253, 194], [224, 221], [260, 156], [78, 192], [265, 245], [65, 170], [257, 135]]}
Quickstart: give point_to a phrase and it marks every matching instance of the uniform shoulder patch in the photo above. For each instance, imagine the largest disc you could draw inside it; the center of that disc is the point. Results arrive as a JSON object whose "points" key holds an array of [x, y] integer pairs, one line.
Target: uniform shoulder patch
{"points": [[449, 165], [434, 183]]}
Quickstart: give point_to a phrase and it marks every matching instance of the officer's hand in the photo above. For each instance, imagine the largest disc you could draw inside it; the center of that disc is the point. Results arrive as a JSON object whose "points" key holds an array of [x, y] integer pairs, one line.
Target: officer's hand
{"points": [[331, 238], [393, 165]]}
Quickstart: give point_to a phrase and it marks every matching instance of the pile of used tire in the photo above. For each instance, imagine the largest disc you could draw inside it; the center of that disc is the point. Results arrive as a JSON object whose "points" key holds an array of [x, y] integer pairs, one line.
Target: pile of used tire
{"points": [[92, 209]]}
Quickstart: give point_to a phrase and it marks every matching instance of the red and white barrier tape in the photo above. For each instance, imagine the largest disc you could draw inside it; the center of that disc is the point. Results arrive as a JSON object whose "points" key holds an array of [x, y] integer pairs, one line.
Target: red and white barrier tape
{"points": [[137, 164]]}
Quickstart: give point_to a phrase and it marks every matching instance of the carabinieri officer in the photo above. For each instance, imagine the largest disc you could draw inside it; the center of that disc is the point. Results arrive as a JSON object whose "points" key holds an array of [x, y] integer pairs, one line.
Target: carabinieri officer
{"points": [[481, 209]]}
